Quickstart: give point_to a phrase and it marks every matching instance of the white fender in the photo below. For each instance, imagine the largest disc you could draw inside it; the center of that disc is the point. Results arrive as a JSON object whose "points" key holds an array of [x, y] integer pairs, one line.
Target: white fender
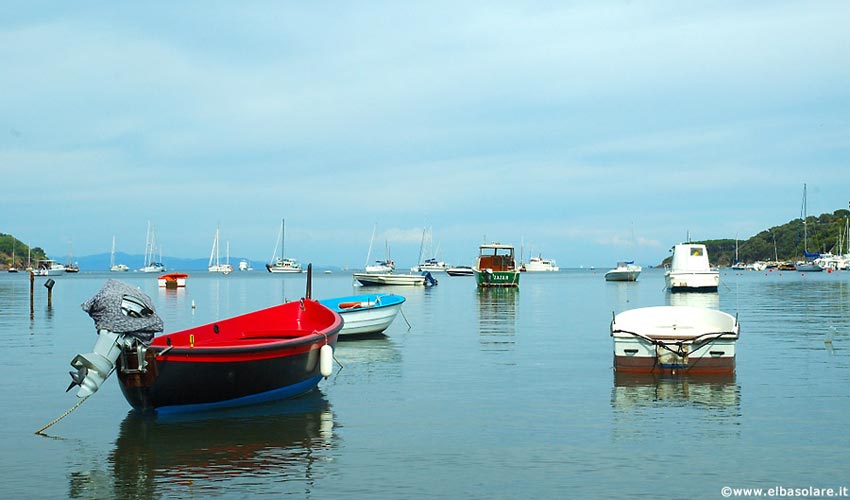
{"points": [[326, 359]]}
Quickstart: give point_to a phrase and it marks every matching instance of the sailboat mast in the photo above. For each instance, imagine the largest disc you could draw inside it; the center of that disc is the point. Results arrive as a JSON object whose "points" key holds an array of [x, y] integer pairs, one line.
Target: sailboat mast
{"points": [[805, 231], [371, 241]]}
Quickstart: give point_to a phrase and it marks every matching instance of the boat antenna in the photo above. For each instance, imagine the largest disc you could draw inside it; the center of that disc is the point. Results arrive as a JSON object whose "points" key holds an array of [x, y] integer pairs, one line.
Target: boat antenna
{"points": [[309, 280]]}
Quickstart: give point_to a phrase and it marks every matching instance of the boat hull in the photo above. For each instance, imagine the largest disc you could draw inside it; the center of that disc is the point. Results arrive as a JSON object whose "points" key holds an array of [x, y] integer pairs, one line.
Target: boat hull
{"points": [[281, 269], [258, 357], [367, 279], [365, 314], [189, 386], [707, 281], [48, 272], [615, 275], [496, 279], [808, 267], [460, 271], [674, 339]]}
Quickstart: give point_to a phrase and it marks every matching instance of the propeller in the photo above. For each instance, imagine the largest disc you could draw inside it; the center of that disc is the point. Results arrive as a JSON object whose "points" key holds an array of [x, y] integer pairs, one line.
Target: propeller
{"points": [[78, 377]]}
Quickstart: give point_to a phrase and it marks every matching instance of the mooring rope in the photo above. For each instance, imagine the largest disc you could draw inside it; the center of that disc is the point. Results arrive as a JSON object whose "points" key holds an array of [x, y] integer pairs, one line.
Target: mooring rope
{"points": [[405, 318], [40, 431]]}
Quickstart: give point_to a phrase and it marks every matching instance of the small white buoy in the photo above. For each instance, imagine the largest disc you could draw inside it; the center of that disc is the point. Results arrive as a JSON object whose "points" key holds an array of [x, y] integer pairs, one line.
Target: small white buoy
{"points": [[326, 358], [193, 303]]}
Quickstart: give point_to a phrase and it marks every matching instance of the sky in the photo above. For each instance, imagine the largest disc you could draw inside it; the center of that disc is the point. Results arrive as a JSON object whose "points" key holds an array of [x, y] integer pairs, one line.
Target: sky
{"points": [[588, 132]]}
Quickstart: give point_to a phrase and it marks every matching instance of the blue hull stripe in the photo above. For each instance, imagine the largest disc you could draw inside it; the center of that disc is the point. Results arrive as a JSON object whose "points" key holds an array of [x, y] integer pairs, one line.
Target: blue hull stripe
{"points": [[264, 397]]}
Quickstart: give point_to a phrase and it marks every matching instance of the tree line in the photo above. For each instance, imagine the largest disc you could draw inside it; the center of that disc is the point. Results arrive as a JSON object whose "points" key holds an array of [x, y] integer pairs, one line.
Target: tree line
{"points": [[826, 233]]}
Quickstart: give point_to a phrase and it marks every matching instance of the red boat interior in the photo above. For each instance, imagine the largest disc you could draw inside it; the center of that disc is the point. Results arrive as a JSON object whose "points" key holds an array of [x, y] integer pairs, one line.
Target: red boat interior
{"points": [[283, 322]]}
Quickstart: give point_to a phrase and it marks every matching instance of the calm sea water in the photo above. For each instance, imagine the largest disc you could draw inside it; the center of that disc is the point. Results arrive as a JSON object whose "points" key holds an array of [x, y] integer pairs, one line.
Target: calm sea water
{"points": [[486, 394]]}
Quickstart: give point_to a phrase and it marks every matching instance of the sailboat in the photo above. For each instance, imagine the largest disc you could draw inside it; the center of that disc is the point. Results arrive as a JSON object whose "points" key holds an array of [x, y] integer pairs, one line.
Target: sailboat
{"points": [[12, 267], [738, 265], [809, 264], [71, 267], [430, 264], [113, 267], [282, 264], [385, 266], [215, 265], [152, 266]]}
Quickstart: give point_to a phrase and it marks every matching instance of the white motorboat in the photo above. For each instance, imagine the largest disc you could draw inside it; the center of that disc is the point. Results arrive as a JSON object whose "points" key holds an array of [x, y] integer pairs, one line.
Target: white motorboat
{"points": [[460, 271], [625, 271], [367, 279], [48, 267], [539, 264], [674, 339], [690, 270]]}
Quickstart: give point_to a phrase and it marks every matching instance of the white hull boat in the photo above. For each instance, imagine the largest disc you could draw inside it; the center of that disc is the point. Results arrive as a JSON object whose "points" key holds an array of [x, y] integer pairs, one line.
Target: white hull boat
{"points": [[625, 271], [49, 268], [282, 264], [460, 271], [674, 339], [365, 314], [367, 279], [539, 264], [690, 270]]}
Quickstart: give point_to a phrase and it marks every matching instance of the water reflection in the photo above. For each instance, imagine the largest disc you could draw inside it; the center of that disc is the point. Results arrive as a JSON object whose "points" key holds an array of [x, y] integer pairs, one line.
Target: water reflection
{"points": [[710, 300], [367, 356], [623, 293], [497, 318], [265, 444], [645, 405]]}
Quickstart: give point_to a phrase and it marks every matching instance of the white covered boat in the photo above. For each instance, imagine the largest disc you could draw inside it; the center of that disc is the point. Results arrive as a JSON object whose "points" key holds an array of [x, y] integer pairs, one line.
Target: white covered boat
{"points": [[625, 271], [674, 339], [690, 270], [539, 264]]}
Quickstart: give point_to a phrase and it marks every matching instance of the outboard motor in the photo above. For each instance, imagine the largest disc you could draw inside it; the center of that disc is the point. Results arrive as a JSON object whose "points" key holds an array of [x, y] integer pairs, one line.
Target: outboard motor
{"points": [[125, 320], [429, 280]]}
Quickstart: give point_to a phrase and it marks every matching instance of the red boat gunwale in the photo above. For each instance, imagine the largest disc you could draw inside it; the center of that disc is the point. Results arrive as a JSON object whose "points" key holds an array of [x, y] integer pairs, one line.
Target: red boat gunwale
{"points": [[285, 329]]}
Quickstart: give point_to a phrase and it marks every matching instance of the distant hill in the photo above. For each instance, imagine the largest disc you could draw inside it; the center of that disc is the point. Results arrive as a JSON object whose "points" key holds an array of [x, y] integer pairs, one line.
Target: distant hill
{"points": [[10, 245], [826, 233]]}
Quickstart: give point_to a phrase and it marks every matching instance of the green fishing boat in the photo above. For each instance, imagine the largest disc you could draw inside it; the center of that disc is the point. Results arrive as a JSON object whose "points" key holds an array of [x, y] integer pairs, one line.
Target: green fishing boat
{"points": [[496, 266]]}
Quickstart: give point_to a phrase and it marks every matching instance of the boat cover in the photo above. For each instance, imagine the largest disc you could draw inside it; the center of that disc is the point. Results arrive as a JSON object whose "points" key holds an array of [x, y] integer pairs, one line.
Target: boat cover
{"points": [[123, 309]]}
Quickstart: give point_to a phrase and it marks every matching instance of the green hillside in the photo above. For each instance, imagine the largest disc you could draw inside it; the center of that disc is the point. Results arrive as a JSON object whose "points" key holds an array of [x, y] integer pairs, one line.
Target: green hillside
{"points": [[8, 243], [826, 233]]}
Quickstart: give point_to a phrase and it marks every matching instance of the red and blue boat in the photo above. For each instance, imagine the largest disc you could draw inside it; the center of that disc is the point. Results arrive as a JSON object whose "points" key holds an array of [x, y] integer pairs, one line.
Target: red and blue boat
{"points": [[275, 353]]}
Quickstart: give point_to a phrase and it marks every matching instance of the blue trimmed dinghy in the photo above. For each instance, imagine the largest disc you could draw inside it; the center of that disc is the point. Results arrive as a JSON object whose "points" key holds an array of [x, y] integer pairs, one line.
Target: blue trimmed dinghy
{"points": [[364, 314]]}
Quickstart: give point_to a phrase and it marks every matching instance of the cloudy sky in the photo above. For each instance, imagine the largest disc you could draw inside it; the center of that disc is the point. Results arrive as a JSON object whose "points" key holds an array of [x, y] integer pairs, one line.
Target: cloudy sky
{"points": [[589, 132]]}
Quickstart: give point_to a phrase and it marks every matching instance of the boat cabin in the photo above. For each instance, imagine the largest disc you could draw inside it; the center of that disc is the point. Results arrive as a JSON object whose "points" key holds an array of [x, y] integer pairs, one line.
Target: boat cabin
{"points": [[689, 257], [496, 257]]}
